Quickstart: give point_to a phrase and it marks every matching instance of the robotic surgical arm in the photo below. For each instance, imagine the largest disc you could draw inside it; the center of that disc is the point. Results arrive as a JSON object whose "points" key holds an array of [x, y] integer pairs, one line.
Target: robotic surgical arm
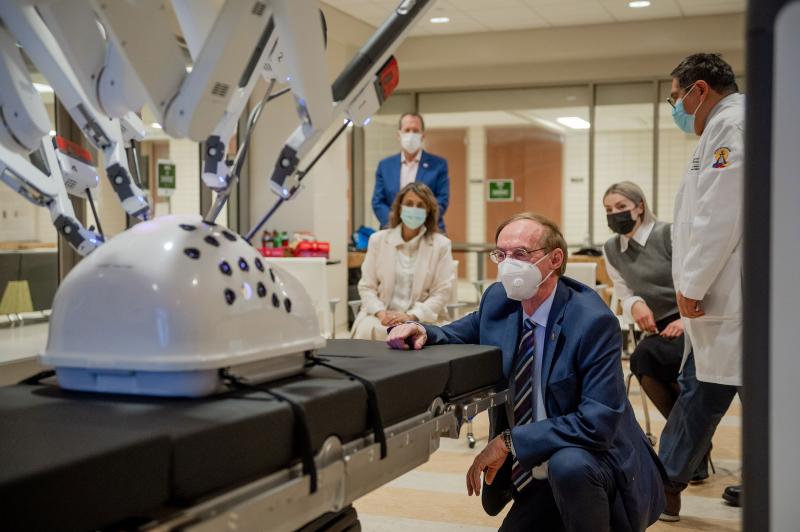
{"points": [[357, 93], [232, 45], [50, 54], [24, 131]]}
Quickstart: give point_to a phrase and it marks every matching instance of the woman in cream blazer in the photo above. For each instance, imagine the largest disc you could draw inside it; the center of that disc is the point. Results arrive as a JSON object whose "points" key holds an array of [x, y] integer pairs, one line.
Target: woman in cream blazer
{"points": [[408, 272]]}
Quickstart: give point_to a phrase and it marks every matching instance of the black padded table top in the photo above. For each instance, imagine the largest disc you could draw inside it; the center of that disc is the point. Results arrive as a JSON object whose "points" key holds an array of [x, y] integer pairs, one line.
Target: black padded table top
{"points": [[78, 461], [470, 367]]}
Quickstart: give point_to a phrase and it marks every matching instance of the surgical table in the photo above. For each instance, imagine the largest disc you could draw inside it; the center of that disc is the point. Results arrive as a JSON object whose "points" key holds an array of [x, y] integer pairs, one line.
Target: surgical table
{"points": [[234, 461]]}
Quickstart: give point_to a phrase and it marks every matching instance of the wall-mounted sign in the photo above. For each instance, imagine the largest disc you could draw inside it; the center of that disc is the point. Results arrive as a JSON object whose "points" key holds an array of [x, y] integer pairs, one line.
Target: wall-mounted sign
{"points": [[166, 177], [500, 190]]}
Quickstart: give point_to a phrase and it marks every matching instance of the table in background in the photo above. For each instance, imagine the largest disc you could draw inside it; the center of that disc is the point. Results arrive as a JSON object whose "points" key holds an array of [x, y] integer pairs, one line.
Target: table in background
{"points": [[19, 351], [479, 248]]}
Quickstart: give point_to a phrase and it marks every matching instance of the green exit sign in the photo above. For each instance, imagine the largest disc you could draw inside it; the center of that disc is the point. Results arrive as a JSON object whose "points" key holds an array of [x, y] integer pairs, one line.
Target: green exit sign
{"points": [[166, 177], [501, 190]]}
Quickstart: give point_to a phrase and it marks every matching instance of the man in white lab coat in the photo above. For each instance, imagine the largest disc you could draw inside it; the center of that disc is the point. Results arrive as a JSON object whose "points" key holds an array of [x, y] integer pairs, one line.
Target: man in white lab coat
{"points": [[706, 265]]}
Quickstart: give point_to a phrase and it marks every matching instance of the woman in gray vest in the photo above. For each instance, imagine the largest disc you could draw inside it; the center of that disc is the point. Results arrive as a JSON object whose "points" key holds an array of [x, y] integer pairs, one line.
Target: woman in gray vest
{"points": [[639, 261]]}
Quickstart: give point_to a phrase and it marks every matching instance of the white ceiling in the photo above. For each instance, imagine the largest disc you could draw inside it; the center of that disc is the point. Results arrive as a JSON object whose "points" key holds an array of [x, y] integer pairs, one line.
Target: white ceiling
{"points": [[472, 16], [621, 117]]}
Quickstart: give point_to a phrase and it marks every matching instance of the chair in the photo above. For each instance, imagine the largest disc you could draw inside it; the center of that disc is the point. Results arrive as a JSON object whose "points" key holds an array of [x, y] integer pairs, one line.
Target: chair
{"points": [[632, 335], [312, 273], [585, 272]]}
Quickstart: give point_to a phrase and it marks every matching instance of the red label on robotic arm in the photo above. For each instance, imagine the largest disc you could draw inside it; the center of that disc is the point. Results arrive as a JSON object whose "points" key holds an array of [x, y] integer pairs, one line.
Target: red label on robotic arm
{"points": [[387, 79], [74, 150]]}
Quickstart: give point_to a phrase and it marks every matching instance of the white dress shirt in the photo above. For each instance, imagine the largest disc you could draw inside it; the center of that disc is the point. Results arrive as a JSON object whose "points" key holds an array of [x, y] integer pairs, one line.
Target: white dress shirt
{"points": [[408, 169], [405, 267], [621, 289]]}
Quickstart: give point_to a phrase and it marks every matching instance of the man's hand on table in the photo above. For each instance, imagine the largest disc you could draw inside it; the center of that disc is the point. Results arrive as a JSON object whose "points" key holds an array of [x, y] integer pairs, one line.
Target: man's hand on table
{"points": [[407, 336], [390, 318], [490, 460]]}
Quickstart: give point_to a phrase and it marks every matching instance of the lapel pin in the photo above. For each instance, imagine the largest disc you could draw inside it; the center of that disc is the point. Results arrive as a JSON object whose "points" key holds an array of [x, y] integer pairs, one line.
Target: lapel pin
{"points": [[552, 337], [424, 165]]}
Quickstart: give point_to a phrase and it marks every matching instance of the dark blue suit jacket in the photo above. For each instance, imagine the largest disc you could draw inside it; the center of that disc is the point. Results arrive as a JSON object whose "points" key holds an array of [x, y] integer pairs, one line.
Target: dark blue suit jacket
{"points": [[583, 392], [432, 172]]}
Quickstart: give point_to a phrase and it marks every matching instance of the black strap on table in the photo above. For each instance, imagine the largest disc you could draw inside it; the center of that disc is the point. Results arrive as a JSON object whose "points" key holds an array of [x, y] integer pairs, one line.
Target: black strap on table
{"points": [[302, 433], [39, 377], [373, 412]]}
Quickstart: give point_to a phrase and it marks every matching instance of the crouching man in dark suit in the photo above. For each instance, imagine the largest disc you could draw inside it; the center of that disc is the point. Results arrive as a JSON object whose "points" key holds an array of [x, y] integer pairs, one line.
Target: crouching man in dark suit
{"points": [[566, 447]]}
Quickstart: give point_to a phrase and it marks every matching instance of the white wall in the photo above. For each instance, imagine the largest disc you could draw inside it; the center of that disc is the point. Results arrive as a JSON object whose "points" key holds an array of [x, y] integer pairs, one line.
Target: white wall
{"points": [[575, 187], [620, 156], [476, 193], [380, 141], [16, 215], [675, 149]]}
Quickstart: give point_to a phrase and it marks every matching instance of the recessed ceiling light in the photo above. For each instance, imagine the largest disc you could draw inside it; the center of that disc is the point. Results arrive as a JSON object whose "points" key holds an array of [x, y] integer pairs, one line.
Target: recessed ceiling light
{"points": [[574, 122], [156, 125], [41, 87], [636, 4], [440, 20]]}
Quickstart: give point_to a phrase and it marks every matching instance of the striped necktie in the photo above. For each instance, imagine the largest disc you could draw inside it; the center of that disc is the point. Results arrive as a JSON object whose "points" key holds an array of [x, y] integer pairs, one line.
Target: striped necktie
{"points": [[524, 396]]}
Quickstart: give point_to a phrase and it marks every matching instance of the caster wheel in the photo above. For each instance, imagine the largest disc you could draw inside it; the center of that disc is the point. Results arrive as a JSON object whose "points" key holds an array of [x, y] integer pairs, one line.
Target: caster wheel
{"points": [[471, 441]]}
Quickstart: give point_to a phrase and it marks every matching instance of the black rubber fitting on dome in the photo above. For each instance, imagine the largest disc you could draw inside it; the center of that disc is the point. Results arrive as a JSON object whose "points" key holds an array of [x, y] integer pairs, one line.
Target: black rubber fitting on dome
{"points": [[230, 296]]}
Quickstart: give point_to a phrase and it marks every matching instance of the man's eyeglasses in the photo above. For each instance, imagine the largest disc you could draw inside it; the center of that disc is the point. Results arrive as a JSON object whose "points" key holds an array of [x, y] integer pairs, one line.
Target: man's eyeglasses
{"points": [[674, 101], [499, 255]]}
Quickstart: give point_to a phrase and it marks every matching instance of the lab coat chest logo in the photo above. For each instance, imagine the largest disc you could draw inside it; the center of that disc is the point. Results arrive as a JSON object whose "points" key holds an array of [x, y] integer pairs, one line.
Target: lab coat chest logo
{"points": [[721, 157]]}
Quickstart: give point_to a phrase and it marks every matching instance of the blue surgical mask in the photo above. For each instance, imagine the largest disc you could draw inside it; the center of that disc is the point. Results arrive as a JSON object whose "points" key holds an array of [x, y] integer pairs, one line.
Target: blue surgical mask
{"points": [[413, 217], [683, 119]]}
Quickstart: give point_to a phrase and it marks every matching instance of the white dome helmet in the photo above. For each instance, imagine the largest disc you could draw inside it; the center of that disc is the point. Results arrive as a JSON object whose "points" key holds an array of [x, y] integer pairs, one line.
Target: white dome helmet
{"points": [[160, 308]]}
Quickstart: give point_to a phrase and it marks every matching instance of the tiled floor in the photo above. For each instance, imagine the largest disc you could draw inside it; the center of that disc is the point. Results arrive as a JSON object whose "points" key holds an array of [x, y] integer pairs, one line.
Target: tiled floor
{"points": [[432, 498]]}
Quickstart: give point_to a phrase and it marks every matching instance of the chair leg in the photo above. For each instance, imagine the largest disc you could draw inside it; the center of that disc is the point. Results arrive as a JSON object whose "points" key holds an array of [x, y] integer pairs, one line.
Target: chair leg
{"points": [[332, 303], [645, 409], [470, 434]]}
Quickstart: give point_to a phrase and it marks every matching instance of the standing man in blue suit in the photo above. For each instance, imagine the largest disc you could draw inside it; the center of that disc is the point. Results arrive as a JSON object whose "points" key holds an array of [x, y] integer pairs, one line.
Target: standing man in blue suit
{"points": [[411, 164], [566, 446]]}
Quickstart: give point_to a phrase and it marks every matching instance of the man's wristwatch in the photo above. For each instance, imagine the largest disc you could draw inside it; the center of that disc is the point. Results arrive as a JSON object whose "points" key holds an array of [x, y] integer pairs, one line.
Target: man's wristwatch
{"points": [[507, 439]]}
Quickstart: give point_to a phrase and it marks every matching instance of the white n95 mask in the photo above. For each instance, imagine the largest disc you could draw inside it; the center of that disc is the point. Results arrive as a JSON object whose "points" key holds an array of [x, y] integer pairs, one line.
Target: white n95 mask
{"points": [[411, 142], [520, 278]]}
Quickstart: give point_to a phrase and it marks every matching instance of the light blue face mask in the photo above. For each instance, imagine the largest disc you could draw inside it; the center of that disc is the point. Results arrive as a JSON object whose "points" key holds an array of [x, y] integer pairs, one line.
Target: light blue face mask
{"points": [[413, 217], [682, 119]]}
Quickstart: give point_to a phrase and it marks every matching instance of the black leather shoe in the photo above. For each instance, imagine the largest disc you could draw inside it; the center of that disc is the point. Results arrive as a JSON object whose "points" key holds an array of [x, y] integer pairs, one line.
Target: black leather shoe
{"points": [[733, 495]]}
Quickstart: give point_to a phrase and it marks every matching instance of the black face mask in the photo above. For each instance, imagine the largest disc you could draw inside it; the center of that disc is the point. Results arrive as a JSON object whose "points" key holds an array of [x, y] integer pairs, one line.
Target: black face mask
{"points": [[621, 222]]}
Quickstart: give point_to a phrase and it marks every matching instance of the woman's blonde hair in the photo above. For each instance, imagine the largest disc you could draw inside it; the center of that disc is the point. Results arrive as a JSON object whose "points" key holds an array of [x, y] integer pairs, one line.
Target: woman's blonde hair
{"points": [[421, 190], [633, 192]]}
